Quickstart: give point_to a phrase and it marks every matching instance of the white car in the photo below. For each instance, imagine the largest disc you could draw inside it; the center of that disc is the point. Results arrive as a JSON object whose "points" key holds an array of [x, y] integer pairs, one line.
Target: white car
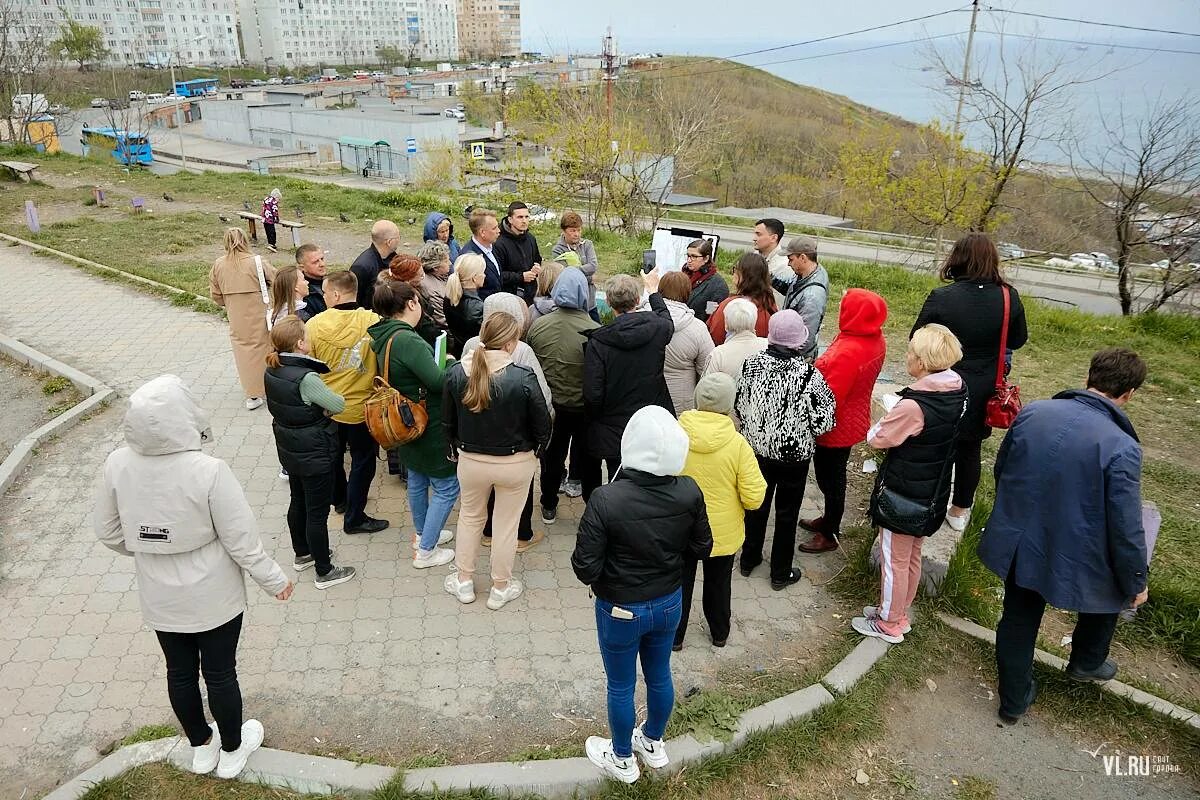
{"points": [[136, 96], [1061, 263], [454, 113], [154, 98], [1010, 250], [274, 81], [99, 102]]}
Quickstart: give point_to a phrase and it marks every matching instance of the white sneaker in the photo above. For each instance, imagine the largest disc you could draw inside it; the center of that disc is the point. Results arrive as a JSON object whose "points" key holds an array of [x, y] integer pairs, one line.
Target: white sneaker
{"points": [[872, 612], [500, 597], [253, 403], [205, 757], [432, 558], [869, 626], [600, 752], [465, 591], [283, 475], [652, 751], [232, 764], [445, 537], [959, 523]]}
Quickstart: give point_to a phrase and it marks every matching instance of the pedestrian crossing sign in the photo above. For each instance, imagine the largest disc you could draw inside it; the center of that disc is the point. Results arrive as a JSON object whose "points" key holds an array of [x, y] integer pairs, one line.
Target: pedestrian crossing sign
{"points": [[477, 151]]}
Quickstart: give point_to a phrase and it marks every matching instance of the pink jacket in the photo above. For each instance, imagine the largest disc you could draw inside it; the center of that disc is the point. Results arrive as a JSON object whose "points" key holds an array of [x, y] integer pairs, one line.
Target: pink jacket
{"points": [[906, 419]]}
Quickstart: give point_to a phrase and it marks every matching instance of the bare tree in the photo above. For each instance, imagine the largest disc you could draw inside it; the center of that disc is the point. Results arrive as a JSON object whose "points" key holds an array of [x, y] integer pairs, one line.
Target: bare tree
{"points": [[27, 69], [1021, 100], [1146, 178]]}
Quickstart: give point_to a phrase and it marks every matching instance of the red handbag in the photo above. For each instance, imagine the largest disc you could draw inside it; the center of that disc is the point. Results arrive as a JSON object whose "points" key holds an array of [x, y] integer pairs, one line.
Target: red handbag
{"points": [[1004, 405]]}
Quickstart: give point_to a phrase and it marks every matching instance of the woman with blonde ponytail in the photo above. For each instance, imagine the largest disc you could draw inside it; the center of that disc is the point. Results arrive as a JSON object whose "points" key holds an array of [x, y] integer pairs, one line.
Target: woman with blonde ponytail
{"points": [[462, 305], [497, 423]]}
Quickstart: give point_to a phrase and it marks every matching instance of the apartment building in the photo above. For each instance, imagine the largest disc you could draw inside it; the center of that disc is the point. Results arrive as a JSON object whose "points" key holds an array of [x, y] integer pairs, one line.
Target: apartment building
{"points": [[286, 32], [141, 31], [489, 28]]}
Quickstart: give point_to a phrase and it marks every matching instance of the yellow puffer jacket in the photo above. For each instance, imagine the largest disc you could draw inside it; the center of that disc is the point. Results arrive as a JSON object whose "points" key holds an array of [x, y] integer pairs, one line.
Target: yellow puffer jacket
{"points": [[339, 338], [721, 462]]}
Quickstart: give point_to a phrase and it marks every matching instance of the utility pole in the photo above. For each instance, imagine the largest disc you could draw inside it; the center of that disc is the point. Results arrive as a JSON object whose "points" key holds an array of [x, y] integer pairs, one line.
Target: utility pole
{"points": [[963, 82], [609, 58], [503, 83]]}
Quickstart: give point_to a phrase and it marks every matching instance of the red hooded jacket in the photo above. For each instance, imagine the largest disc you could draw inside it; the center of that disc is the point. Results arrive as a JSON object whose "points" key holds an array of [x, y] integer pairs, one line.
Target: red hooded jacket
{"points": [[851, 365]]}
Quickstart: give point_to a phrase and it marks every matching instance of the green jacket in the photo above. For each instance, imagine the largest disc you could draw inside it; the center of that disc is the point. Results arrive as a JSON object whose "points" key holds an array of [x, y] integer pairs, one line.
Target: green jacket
{"points": [[557, 339], [412, 369]]}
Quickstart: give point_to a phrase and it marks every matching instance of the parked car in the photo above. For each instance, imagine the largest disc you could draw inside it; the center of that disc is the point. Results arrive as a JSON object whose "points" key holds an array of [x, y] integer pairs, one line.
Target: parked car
{"points": [[1060, 263], [361, 75], [256, 82], [59, 108], [155, 98], [541, 214], [454, 113], [274, 81], [1010, 250], [136, 96], [237, 83], [99, 102], [288, 80]]}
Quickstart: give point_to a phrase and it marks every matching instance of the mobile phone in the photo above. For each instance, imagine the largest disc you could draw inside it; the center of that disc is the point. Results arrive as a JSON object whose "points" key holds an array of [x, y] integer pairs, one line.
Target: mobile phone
{"points": [[620, 613], [649, 261], [406, 416]]}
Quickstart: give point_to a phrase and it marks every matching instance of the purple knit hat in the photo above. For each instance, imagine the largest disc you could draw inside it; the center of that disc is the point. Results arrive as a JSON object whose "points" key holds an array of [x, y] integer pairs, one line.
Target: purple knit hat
{"points": [[787, 329]]}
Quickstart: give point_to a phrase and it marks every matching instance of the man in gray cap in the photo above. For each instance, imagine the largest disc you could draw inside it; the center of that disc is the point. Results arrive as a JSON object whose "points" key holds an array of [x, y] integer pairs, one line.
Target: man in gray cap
{"points": [[808, 293]]}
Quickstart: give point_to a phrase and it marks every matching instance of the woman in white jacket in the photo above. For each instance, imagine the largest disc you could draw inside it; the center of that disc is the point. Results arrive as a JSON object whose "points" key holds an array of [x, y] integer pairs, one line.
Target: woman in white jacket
{"points": [[690, 346], [182, 516]]}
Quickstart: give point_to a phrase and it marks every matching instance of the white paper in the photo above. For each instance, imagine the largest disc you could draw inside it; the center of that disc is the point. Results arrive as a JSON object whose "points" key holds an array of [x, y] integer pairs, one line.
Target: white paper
{"points": [[869, 466], [888, 401]]}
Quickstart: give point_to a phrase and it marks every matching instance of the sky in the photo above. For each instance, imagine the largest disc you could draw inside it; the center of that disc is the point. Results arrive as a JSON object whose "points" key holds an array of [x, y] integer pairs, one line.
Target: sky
{"points": [[710, 27]]}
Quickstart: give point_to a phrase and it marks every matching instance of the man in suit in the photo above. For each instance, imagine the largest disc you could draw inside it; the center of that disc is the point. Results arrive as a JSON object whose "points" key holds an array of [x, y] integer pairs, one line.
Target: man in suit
{"points": [[485, 230]]}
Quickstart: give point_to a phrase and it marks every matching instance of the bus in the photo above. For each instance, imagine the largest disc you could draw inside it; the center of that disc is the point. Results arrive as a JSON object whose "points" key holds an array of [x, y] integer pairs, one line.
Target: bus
{"points": [[196, 88], [127, 148]]}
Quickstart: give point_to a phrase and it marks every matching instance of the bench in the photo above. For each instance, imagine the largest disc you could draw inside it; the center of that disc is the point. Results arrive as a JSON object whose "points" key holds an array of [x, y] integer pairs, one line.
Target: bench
{"points": [[20, 169], [253, 219]]}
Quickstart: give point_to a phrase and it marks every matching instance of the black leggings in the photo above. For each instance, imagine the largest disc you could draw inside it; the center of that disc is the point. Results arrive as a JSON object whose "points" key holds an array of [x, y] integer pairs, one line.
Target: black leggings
{"points": [[829, 464], [214, 653], [269, 227], [966, 471]]}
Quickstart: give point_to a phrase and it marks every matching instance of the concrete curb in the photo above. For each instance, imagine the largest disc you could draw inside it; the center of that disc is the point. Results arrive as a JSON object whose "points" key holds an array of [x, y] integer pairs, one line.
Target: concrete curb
{"points": [[97, 394], [553, 779], [175, 290], [1145, 699]]}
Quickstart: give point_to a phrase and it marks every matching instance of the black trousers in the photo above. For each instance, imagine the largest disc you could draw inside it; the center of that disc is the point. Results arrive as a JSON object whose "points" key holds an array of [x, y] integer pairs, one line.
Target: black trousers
{"points": [[353, 490], [785, 482], [214, 653], [569, 434], [1016, 637], [718, 577], [308, 517], [525, 528], [590, 475], [966, 471], [269, 227], [829, 466]]}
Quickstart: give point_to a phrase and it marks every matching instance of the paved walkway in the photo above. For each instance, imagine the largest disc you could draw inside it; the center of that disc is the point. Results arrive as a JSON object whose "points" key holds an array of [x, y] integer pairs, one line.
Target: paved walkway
{"points": [[387, 664]]}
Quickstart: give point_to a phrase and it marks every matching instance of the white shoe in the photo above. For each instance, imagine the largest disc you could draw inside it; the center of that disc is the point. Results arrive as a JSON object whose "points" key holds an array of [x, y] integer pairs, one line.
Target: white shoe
{"points": [[869, 626], [600, 752], [283, 475], [232, 764], [445, 537], [206, 756], [432, 558], [872, 612], [500, 597], [959, 523], [465, 591], [253, 403], [652, 751]]}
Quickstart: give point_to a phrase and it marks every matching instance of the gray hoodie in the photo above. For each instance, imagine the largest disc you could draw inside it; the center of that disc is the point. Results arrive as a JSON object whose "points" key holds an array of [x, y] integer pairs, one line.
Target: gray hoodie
{"points": [[181, 515]]}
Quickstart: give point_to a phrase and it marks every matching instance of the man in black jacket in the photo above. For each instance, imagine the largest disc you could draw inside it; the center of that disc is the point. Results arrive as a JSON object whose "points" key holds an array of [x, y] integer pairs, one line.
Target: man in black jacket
{"points": [[310, 258], [634, 538], [623, 371], [517, 253], [385, 237]]}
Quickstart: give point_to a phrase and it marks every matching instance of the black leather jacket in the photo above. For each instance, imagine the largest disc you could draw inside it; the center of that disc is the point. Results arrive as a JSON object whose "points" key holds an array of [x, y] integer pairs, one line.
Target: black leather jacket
{"points": [[515, 421]]}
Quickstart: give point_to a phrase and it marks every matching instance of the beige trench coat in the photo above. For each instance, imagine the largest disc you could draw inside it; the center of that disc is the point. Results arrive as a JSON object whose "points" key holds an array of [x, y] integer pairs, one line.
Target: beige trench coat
{"points": [[233, 284]]}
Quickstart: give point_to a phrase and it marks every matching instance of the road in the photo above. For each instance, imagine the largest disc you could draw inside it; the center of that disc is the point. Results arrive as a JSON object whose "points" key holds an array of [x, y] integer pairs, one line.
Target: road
{"points": [[1091, 292]]}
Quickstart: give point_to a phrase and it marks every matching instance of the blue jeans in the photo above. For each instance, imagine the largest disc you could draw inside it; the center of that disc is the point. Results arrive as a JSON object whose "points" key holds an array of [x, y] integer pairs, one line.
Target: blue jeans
{"points": [[429, 518], [649, 634]]}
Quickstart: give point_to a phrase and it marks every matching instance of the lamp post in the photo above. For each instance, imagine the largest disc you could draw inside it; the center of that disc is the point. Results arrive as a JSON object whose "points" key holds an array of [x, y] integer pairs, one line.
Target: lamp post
{"points": [[178, 110]]}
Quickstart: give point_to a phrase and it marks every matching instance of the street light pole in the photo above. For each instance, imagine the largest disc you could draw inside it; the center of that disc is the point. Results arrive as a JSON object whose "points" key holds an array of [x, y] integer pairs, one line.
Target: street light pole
{"points": [[178, 114]]}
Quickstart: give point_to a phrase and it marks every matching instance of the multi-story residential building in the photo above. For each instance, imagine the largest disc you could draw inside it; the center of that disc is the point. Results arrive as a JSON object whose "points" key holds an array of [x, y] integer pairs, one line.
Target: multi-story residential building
{"points": [[141, 31], [346, 31], [488, 28]]}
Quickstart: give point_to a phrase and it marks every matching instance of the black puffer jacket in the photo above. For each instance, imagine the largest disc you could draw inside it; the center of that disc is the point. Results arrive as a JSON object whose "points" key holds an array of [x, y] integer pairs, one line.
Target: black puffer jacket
{"points": [[623, 371], [516, 420], [636, 533]]}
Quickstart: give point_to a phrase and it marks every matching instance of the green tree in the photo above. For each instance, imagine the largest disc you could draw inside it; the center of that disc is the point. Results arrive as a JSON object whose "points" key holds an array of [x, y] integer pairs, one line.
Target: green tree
{"points": [[389, 56], [81, 43]]}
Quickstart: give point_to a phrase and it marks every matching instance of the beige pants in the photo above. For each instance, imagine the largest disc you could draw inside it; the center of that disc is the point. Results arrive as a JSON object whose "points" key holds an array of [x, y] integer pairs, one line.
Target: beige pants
{"points": [[478, 475]]}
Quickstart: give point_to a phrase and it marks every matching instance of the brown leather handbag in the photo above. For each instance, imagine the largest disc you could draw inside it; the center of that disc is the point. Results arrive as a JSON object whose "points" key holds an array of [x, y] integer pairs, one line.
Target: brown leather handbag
{"points": [[391, 417]]}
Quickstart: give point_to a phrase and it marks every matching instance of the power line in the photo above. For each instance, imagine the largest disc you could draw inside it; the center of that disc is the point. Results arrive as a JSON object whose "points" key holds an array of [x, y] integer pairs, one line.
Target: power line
{"points": [[823, 38], [1092, 22], [1094, 44]]}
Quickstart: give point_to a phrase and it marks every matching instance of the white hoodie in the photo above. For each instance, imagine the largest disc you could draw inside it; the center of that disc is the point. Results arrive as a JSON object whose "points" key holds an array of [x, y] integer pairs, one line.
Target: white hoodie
{"points": [[654, 442], [181, 514]]}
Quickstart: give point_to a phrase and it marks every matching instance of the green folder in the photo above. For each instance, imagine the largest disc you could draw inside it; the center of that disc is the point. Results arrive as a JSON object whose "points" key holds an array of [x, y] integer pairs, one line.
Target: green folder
{"points": [[439, 350]]}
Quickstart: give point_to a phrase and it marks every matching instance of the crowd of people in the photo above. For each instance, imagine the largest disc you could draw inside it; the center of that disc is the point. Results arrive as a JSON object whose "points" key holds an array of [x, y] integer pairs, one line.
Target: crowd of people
{"points": [[683, 422]]}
